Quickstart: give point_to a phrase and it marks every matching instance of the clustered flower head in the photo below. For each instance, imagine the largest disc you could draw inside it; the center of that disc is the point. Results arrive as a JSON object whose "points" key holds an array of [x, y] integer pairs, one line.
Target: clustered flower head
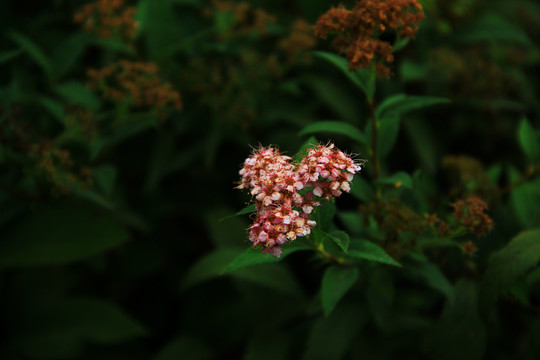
{"points": [[286, 193], [357, 31], [57, 166], [247, 19], [138, 82], [108, 18], [470, 214]]}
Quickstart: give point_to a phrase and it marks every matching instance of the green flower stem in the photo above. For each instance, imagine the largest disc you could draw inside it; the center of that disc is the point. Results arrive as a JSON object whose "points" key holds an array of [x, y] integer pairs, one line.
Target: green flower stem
{"points": [[325, 254]]}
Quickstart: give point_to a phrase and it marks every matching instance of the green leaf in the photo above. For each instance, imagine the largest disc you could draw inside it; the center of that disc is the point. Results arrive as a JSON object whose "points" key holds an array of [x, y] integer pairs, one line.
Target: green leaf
{"points": [[77, 93], [305, 147], [114, 45], [387, 135], [508, 264], [58, 235], [252, 257], [331, 92], [62, 328], [362, 77], [341, 238], [400, 104], [338, 127], [524, 199], [105, 177], [528, 140], [209, 266], [324, 215], [186, 347], [459, 333], [361, 189], [399, 179], [67, 53], [331, 336], [273, 276], [6, 56], [413, 71], [380, 295], [55, 108], [352, 221], [492, 28], [247, 210], [336, 281], [364, 249], [423, 271], [34, 52]]}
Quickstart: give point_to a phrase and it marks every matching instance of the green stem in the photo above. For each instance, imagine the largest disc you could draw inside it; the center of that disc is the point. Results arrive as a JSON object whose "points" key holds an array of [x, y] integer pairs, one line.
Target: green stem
{"points": [[325, 254]]}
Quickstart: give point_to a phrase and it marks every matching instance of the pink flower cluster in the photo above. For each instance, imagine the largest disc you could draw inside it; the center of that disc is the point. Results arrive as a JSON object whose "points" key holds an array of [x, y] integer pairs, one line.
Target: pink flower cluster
{"points": [[286, 193]]}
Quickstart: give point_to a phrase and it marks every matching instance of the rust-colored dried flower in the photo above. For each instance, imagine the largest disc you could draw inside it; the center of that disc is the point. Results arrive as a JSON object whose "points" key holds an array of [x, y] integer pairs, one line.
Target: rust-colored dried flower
{"points": [[469, 248], [136, 82], [356, 32], [470, 214], [82, 120], [108, 18], [57, 166], [246, 19], [298, 42]]}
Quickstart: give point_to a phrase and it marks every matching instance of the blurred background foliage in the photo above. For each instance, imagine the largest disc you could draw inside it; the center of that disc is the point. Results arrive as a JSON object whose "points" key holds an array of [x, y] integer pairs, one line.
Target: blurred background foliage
{"points": [[122, 130]]}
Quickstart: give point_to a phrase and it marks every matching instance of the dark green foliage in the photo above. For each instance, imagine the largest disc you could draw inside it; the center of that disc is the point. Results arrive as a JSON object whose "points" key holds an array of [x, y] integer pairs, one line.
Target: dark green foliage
{"points": [[122, 235]]}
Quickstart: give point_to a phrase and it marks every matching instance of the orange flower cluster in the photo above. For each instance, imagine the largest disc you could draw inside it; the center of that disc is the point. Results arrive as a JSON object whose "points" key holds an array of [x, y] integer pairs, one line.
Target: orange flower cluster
{"points": [[298, 42], [57, 167], [470, 214], [356, 31], [108, 18], [81, 120], [246, 18], [136, 82]]}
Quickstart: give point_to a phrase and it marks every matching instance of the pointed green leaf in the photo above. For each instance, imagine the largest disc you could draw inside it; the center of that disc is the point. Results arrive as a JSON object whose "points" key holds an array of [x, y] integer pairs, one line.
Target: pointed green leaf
{"points": [[341, 238], [337, 127], [423, 271], [34, 52], [77, 93], [251, 257], [209, 266], [305, 147], [492, 28], [55, 108], [247, 210], [361, 189], [400, 104], [387, 134], [364, 249], [60, 235], [362, 77], [528, 140], [510, 263], [336, 281], [186, 347], [105, 177], [67, 53], [459, 333], [61, 329], [399, 179], [6, 56]]}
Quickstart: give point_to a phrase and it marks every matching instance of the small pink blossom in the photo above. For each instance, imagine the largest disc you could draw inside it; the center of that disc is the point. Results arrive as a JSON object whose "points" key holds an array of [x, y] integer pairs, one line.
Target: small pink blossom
{"points": [[282, 210]]}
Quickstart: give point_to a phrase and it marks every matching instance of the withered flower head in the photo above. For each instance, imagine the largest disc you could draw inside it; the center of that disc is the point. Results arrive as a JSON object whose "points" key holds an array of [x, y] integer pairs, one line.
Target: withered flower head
{"points": [[136, 82], [356, 32], [470, 214], [108, 18]]}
